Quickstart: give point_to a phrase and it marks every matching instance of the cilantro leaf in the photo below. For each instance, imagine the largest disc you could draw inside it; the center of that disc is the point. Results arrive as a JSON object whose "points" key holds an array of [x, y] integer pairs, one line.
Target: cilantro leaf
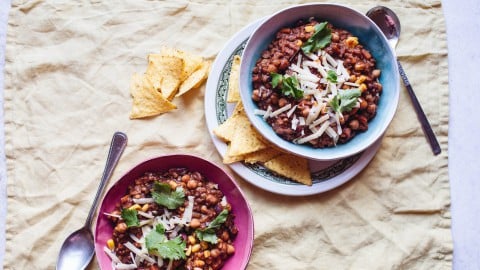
{"points": [[332, 76], [345, 100], [158, 244], [319, 40], [289, 86], [130, 217], [208, 234], [165, 196], [159, 228], [276, 79], [219, 220]]}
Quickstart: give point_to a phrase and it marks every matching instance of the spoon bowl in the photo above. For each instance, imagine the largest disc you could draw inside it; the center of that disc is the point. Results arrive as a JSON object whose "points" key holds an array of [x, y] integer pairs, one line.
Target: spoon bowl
{"points": [[78, 249], [389, 24]]}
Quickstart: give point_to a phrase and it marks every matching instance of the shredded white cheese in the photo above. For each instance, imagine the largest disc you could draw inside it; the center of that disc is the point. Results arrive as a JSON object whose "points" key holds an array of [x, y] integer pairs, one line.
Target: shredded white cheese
{"points": [[281, 110], [315, 135]]}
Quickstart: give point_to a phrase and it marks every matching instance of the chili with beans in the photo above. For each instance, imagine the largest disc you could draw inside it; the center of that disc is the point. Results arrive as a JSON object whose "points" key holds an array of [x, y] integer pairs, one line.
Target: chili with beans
{"points": [[202, 210], [323, 97]]}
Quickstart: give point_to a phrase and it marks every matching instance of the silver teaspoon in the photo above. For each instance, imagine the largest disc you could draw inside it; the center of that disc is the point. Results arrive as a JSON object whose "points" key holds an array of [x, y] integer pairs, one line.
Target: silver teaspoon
{"points": [[78, 249], [389, 23]]}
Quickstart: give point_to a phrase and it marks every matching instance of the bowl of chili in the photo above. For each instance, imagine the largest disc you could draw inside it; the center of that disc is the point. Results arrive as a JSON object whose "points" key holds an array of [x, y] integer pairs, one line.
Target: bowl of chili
{"points": [[319, 81]]}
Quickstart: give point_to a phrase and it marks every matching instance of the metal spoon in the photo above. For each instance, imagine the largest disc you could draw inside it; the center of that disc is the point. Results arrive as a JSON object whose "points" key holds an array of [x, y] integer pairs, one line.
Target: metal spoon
{"points": [[389, 23], [78, 249]]}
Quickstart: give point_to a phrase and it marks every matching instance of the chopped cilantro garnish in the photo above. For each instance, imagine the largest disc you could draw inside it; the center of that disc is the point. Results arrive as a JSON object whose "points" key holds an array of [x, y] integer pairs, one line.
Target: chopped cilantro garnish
{"points": [[130, 217], [208, 234], [345, 100], [332, 76], [163, 195], [319, 40], [157, 244], [289, 85]]}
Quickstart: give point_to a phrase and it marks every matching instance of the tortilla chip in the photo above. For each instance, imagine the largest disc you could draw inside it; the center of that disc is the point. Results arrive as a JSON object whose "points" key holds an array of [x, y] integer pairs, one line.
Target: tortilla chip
{"points": [[146, 100], [245, 139], [262, 156], [191, 62], [165, 71], [234, 81], [228, 158], [226, 130], [292, 167], [195, 79]]}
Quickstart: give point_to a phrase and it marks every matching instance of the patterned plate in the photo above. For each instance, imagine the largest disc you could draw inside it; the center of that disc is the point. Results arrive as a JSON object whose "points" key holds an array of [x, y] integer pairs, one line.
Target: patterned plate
{"points": [[326, 175]]}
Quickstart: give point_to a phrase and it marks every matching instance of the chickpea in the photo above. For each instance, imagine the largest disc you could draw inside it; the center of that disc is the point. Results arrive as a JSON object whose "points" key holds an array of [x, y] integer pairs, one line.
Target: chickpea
{"points": [[271, 68], [282, 102], [230, 249], [360, 66], [225, 236], [354, 124], [185, 178], [215, 252], [211, 199], [363, 104], [173, 184], [195, 223], [121, 227], [335, 37], [192, 184]]}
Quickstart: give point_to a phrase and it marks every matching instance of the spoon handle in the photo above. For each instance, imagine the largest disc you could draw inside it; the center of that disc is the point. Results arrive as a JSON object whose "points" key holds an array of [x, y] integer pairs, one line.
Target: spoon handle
{"points": [[427, 129], [118, 144]]}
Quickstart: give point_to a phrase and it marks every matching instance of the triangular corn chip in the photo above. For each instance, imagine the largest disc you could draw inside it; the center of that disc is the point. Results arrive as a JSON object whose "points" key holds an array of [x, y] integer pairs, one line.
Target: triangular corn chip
{"points": [[146, 100]]}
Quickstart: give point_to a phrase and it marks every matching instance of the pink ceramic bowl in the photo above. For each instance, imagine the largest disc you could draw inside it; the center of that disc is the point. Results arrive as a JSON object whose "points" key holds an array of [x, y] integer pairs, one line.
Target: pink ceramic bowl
{"points": [[243, 217]]}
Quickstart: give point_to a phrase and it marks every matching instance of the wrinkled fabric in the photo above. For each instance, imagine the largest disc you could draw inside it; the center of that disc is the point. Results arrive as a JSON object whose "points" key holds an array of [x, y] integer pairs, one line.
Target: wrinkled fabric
{"points": [[67, 75]]}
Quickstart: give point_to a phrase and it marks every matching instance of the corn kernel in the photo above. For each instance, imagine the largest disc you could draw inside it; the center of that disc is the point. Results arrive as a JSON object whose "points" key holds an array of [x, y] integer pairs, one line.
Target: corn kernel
{"points": [[189, 251], [351, 42], [299, 42], [145, 207], [110, 244], [362, 87], [196, 248], [135, 207], [204, 245], [309, 28], [361, 79], [191, 240], [206, 253]]}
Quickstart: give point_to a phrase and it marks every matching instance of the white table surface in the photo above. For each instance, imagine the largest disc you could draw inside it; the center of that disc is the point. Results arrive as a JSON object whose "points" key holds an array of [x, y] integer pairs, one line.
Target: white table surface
{"points": [[463, 30]]}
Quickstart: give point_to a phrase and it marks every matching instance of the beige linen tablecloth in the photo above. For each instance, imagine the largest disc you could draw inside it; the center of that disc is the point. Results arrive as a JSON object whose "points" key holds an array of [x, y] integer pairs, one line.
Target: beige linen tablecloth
{"points": [[68, 69]]}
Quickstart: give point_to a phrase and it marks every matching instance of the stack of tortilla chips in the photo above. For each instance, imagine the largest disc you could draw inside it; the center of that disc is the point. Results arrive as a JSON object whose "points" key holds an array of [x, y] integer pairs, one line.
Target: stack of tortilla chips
{"points": [[244, 143], [169, 74]]}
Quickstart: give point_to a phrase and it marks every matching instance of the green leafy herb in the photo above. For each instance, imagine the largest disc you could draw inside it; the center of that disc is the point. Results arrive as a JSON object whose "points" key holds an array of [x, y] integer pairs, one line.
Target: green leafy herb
{"points": [[276, 79], [157, 244], [208, 234], [319, 40], [288, 85], [332, 76], [130, 217], [345, 100], [163, 194]]}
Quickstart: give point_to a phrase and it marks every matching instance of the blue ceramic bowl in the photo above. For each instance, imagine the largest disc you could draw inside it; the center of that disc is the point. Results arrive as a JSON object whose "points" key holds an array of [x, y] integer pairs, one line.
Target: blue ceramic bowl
{"points": [[369, 35]]}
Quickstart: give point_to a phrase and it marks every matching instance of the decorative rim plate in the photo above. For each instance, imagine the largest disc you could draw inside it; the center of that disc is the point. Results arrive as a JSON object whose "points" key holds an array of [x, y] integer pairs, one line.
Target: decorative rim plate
{"points": [[326, 175]]}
